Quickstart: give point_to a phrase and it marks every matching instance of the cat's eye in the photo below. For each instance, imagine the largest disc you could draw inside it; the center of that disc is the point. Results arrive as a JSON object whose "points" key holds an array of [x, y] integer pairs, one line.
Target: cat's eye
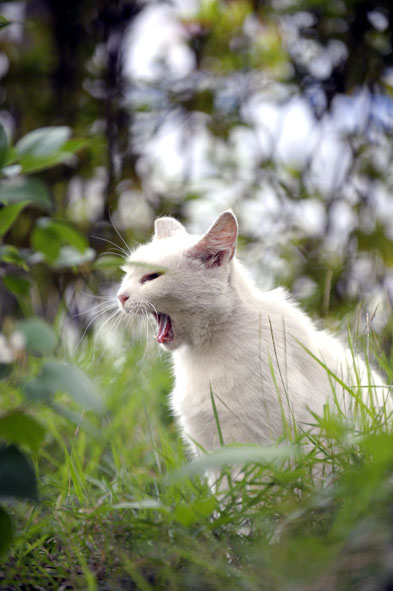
{"points": [[150, 277]]}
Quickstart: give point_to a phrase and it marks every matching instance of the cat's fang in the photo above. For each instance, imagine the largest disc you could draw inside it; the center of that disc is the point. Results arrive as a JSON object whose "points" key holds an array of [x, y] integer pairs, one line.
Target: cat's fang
{"points": [[165, 332]]}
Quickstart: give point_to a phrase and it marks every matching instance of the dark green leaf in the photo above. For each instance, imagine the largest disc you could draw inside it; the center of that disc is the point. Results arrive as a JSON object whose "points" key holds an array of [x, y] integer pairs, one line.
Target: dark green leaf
{"points": [[64, 377], [17, 475], [5, 370], [5, 529], [8, 215], [17, 285], [3, 142], [22, 189], [18, 427], [39, 336]]}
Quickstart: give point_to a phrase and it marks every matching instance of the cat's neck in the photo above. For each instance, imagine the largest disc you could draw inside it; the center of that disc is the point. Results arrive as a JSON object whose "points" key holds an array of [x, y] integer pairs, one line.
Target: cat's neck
{"points": [[229, 322]]}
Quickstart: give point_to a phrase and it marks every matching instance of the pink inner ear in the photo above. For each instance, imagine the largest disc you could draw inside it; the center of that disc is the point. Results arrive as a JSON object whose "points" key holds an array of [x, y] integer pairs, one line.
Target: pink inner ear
{"points": [[219, 243]]}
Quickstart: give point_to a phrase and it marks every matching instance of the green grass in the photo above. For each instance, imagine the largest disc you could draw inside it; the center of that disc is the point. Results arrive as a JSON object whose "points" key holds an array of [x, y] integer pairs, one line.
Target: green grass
{"points": [[121, 508]]}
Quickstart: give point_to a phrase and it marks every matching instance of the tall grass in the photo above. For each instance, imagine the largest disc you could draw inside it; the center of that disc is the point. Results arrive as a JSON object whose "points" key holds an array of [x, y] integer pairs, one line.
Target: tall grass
{"points": [[121, 508]]}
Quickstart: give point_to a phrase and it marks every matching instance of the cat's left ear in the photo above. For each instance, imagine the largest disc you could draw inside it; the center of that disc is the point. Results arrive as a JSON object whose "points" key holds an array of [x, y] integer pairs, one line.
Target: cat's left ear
{"points": [[166, 227], [218, 245]]}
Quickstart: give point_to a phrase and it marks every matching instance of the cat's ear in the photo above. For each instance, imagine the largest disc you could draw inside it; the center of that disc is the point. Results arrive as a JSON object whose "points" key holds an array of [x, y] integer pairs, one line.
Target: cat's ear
{"points": [[166, 227], [218, 244]]}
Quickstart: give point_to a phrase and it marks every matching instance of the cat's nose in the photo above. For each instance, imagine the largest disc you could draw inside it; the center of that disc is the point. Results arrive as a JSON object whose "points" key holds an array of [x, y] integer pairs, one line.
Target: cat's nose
{"points": [[123, 298]]}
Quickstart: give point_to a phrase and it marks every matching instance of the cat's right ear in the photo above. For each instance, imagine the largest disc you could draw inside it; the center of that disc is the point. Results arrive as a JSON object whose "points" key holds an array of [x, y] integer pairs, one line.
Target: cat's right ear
{"points": [[218, 245], [166, 227]]}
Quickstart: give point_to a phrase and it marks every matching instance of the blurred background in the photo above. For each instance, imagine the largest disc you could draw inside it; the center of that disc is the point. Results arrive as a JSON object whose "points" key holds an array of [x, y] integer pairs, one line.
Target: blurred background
{"points": [[114, 112]]}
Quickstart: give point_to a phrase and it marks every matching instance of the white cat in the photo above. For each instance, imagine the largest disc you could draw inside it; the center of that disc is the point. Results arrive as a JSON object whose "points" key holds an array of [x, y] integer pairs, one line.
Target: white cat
{"points": [[255, 351]]}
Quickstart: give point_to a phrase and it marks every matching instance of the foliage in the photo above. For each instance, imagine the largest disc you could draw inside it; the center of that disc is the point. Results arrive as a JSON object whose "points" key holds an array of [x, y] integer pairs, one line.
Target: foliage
{"points": [[84, 142], [121, 508]]}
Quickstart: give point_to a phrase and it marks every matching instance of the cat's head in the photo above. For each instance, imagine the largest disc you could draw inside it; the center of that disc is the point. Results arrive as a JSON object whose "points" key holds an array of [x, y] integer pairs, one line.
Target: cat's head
{"points": [[182, 279]]}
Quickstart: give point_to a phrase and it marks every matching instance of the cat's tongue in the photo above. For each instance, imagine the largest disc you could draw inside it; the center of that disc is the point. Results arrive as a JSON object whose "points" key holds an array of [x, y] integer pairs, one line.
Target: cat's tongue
{"points": [[165, 332]]}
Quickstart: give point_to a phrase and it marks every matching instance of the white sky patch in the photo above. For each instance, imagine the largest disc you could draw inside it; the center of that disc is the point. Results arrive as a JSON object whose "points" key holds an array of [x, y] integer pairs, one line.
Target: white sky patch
{"points": [[157, 40]]}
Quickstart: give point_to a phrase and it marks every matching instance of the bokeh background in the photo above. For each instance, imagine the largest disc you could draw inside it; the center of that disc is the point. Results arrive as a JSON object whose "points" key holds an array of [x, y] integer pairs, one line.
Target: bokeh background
{"points": [[115, 112], [279, 109]]}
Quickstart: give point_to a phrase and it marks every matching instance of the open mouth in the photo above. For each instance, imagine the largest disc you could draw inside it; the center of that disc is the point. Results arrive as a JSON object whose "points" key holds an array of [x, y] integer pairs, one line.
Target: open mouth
{"points": [[165, 333]]}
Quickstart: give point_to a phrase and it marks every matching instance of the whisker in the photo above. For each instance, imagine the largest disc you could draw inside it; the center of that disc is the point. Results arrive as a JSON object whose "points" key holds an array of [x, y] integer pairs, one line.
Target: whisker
{"points": [[119, 235], [124, 253], [118, 311], [100, 297], [89, 324], [98, 306], [113, 253]]}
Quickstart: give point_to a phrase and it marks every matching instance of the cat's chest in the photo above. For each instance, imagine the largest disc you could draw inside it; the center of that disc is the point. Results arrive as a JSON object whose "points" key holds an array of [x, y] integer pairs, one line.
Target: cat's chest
{"points": [[197, 378]]}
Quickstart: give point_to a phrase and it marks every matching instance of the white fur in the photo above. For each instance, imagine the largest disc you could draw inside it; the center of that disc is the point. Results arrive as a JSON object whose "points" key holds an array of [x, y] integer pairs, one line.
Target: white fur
{"points": [[231, 339]]}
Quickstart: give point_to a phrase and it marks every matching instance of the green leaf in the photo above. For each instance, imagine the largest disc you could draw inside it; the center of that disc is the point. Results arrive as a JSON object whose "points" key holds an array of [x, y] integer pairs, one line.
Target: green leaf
{"points": [[49, 235], [5, 528], [17, 285], [65, 232], [3, 142], [11, 254], [32, 164], [64, 377], [109, 260], [22, 189], [4, 22], [46, 240], [42, 142], [39, 336], [46, 147], [8, 215], [17, 475], [18, 427], [230, 455]]}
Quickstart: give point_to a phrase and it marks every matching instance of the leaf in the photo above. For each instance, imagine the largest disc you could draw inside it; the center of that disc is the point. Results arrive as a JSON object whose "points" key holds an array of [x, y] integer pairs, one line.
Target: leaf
{"points": [[5, 529], [4, 22], [3, 142], [66, 233], [45, 240], [46, 147], [18, 427], [49, 235], [42, 142], [17, 285], [39, 336], [64, 377], [239, 455], [22, 189], [109, 260], [8, 215], [144, 504], [11, 254], [32, 164], [17, 475]]}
